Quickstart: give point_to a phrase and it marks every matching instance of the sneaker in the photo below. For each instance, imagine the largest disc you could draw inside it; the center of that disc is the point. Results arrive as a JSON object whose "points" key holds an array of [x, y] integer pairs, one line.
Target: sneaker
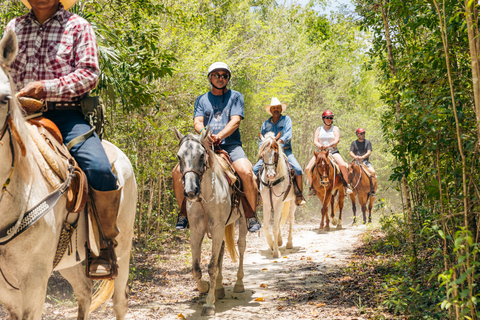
{"points": [[182, 223], [348, 191], [253, 225], [312, 192]]}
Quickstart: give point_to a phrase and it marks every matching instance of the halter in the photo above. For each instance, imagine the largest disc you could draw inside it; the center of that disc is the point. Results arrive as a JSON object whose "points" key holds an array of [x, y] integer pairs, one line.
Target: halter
{"points": [[191, 169]]}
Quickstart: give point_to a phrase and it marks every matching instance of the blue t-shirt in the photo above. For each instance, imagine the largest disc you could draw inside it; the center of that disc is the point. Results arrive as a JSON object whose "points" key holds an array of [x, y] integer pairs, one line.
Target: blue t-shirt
{"points": [[283, 125], [217, 111]]}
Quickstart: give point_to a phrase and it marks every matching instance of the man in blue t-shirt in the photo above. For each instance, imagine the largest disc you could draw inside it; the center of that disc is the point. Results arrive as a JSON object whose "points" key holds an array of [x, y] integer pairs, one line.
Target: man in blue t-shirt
{"points": [[280, 123], [222, 109]]}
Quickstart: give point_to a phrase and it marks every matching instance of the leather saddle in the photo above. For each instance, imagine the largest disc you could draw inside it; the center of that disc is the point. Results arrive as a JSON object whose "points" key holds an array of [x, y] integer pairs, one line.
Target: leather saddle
{"points": [[58, 157]]}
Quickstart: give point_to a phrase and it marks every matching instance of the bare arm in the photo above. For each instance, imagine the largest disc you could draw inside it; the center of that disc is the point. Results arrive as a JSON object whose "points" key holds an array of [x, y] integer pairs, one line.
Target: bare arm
{"points": [[336, 134], [315, 139]]}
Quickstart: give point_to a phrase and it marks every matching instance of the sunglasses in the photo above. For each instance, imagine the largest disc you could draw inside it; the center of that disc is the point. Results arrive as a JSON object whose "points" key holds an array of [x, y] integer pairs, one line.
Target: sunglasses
{"points": [[329, 117], [359, 134], [221, 76]]}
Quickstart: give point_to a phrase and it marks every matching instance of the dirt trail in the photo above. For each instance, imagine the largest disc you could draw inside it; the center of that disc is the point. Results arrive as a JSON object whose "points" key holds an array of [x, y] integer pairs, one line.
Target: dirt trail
{"points": [[305, 282]]}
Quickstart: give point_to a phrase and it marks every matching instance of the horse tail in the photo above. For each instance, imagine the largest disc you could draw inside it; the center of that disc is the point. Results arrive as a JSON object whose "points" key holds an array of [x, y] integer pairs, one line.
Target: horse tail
{"points": [[103, 293], [285, 211], [230, 241]]}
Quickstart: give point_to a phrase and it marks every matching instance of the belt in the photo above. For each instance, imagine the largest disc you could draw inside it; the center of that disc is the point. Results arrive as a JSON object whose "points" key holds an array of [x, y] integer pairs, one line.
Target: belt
{"points": [[62, 105], [286, 148]]}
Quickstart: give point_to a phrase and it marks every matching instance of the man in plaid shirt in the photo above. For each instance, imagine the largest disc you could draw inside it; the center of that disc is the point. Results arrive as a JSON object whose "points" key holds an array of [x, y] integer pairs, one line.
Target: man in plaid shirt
{"points": [[57, 62]]}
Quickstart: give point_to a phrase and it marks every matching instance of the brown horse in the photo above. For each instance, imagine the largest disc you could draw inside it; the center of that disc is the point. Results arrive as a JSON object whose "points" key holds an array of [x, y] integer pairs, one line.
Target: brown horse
{"points": [[326, 179], [358, 179]]}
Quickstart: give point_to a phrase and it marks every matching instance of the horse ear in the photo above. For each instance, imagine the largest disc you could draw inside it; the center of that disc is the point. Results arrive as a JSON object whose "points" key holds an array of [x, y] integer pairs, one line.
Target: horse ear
{"points": [[205, 133], [278, 136], [178, 134], [9, 47], [316, 152], [326, 154]]}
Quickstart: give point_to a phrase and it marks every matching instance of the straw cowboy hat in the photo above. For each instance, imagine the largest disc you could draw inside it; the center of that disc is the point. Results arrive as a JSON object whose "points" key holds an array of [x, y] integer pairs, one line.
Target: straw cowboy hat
{"points": [[275, 102], [67, 4]]}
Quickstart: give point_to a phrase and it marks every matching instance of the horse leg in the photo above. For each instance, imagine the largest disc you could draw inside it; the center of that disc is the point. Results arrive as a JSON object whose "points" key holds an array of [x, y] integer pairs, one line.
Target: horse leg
{"points": [[242, 245], [332, 209], [266, 221], [370, 205], [354, 208], [217, 244], [219, 289], [291, 217], [196, 239], [82, 286], [277, 240], [322, 223], [364, 208], [325, 213], [341, 198]]}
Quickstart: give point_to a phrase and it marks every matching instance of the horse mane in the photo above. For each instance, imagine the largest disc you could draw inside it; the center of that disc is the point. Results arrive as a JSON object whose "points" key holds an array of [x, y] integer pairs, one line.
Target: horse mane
{"points": [[268, 142]]}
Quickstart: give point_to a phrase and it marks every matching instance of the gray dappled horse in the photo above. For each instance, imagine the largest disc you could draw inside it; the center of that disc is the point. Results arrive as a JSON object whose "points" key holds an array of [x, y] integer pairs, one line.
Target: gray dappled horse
{"points": [[277, 197], [209, 212], [26, 262]]}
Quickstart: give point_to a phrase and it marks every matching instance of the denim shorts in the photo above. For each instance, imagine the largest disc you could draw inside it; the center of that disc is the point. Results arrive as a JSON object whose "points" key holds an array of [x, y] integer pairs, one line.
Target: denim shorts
{"points": [[367, 164], [234, 151]]}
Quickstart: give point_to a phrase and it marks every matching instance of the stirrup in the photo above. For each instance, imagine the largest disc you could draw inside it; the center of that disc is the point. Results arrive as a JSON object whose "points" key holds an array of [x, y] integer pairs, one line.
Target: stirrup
{"points": [[300, 200], [253, 225], [312, 192], [103, 267]]}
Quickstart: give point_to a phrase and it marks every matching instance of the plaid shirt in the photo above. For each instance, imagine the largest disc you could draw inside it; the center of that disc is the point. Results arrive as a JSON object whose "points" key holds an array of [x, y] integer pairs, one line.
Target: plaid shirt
{"points": [[61, 53]]}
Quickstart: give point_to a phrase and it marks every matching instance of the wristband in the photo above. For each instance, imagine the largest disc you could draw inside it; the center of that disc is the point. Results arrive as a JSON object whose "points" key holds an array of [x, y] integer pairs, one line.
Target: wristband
{"points": [[201, 130]]}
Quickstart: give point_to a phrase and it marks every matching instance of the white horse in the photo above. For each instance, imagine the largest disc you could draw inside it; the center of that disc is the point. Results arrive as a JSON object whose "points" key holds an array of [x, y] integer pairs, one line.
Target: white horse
{"points": [[26, 262], [278, 199], [209, 212]]}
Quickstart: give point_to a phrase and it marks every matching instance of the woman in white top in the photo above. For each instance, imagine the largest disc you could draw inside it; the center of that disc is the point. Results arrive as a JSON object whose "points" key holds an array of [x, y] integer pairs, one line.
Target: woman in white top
{"points": [[327, 137]]}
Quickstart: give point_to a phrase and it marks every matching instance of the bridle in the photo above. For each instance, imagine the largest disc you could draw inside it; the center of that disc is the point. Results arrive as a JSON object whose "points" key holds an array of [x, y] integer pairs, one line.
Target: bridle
{"points": [[191, 169], [360, 171]]}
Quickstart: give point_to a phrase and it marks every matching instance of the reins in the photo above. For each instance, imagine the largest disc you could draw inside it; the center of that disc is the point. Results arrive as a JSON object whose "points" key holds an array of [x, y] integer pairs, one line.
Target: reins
{"points": [[360, 172]]}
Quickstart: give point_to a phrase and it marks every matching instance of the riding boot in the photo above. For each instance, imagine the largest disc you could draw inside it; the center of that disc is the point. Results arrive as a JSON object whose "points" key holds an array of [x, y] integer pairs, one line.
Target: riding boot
{"points": [[372, 187], [182, 220], [298, 188], [105, 205], [346, 186]]}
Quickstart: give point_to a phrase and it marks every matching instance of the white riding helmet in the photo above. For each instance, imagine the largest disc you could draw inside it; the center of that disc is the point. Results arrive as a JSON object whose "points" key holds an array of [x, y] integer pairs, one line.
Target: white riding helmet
{"points": [[219, 66]]}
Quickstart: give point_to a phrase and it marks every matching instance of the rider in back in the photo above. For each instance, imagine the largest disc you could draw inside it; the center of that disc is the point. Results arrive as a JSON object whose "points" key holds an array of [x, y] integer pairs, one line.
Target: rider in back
{"points": [[327, 137], [280, 123], [221, 109], [361, 150], [57, 62]]}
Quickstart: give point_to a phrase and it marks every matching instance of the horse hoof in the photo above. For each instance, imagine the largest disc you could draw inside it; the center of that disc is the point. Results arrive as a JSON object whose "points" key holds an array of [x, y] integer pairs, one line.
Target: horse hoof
{"points": [[203, 287], [289, 245], [327, 228], [276, 254], [208, 311], [238, 288], [220, 293], [280, 242], [339, 227]]}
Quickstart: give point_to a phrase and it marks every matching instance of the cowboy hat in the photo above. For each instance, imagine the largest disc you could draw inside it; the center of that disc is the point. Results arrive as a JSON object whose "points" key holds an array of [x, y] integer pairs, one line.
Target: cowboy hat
{"points": [[275, 102], [67, 4]]}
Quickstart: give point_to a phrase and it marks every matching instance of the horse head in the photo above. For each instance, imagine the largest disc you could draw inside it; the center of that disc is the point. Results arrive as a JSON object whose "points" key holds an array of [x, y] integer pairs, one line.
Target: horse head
{"points": [[8, 52], [322, 167], [353, 170], [192, 156], [269, 152]]}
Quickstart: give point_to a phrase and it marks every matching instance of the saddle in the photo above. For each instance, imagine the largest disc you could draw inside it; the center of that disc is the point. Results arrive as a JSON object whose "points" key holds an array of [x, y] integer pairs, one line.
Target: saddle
{"points": [[53, 159], [365, 169]]}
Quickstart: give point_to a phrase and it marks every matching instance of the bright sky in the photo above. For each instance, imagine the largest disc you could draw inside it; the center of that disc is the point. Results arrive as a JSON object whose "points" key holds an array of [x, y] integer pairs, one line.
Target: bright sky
{"points": [[332, 6]]}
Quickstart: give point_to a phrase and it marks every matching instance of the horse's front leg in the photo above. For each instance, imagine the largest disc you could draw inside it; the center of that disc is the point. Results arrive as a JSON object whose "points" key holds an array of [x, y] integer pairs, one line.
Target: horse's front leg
{"points": [[218, 233], [242, 245], [291, 218], [332, 209], [219, 289], [82, 287], [364, 208], [370, 205], [277, 240], [354, 208], [325, 212], [341, 198], [196, 238], [267, 206]]}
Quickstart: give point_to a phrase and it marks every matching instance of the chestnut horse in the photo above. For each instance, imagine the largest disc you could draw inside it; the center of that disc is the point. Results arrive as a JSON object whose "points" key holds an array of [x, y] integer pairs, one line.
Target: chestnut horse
{"points": [[358, 179], [326, 179]]}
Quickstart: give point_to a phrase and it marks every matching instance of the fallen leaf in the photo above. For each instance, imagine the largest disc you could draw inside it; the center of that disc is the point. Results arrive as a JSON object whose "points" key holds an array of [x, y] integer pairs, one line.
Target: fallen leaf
{"points": [[285, 257], [275, 261], [316, 250], [309, 258], [264, 269], [263, 285], [180, 316], [320, 305], [311, 303], [259, 299]]}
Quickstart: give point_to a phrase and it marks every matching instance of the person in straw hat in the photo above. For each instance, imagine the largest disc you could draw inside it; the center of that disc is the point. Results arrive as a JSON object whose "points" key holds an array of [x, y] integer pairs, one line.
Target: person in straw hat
{"points": [[57, 62], [280, 123]]}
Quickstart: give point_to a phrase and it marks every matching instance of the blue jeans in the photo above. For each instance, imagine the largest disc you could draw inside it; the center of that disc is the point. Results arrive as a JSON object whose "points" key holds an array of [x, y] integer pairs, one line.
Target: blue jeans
{"points": [[89, 154], [291, 159]]}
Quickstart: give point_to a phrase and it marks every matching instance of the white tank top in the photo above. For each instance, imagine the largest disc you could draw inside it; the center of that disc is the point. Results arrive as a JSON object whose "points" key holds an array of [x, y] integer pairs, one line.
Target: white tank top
{"points": [[326, 137]]}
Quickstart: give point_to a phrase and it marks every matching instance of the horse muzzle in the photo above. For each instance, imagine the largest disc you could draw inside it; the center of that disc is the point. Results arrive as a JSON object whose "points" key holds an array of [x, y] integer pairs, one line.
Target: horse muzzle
{"points": [[324, 183]]}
